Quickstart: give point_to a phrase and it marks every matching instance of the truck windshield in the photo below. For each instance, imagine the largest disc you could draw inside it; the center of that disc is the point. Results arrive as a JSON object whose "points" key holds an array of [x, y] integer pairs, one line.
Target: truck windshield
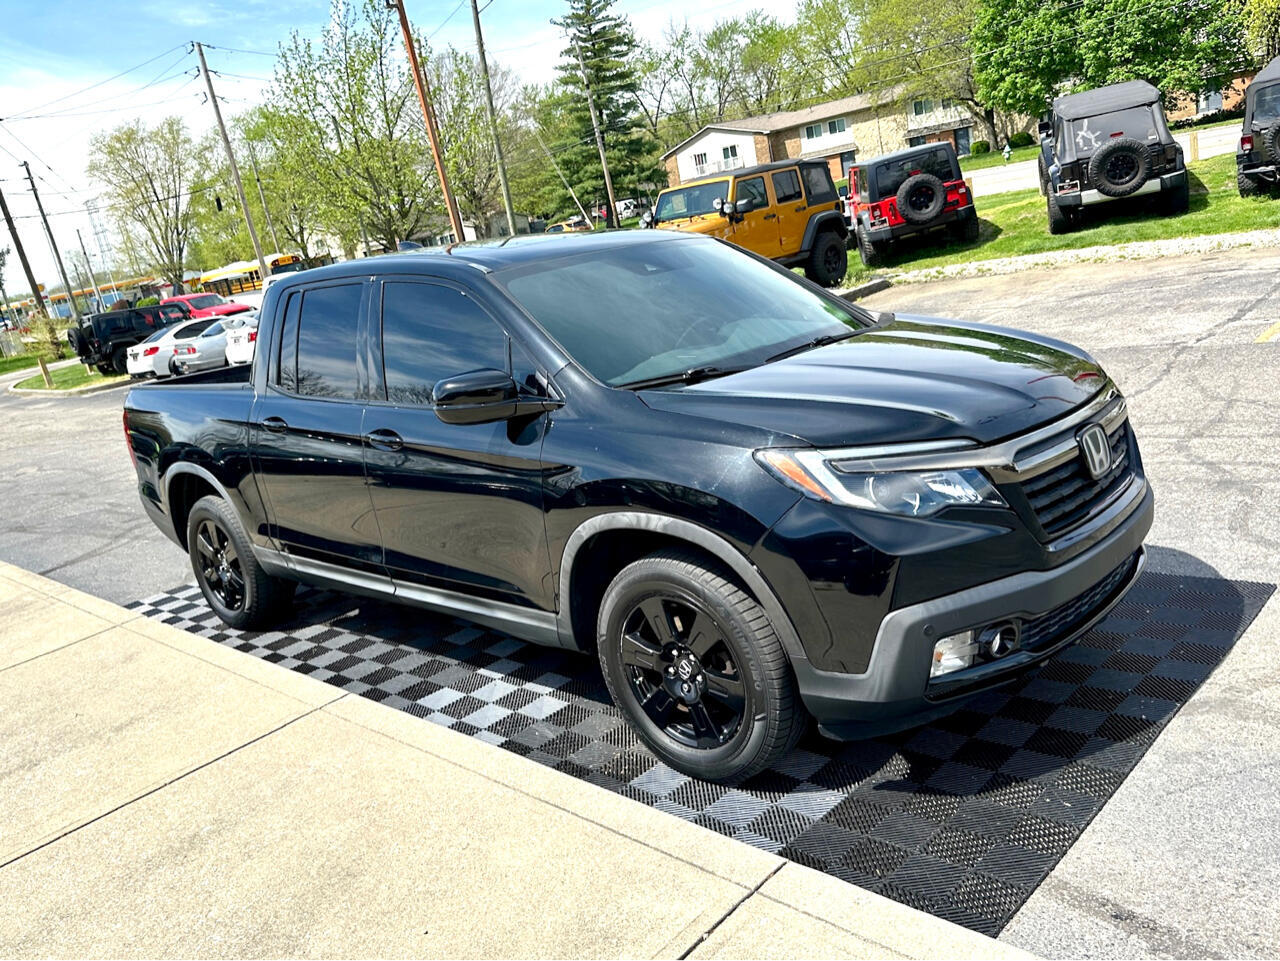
{"points": [[690, 201], [1089, 134], [643, 311], [1266, 104], [205, 300]]}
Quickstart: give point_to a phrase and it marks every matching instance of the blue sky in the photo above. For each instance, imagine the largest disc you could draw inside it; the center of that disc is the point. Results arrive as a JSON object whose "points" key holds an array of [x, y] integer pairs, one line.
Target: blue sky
{"points": [[52, 50]]}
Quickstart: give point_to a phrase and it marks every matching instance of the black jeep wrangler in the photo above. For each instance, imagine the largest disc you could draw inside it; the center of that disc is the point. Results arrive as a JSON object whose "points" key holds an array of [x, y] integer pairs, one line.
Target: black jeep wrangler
{"points": [[103, 340], [1258, 156], [908, 192], [1107, 144]]}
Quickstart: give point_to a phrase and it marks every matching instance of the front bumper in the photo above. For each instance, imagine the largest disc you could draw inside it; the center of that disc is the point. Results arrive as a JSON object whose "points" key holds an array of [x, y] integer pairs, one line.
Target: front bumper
{"points": [[895, 693], [1087, 198]]}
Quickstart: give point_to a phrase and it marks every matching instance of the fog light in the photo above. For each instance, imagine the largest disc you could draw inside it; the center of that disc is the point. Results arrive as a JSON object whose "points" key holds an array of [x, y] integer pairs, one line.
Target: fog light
{"points": [[953, 653], [998, 640]]}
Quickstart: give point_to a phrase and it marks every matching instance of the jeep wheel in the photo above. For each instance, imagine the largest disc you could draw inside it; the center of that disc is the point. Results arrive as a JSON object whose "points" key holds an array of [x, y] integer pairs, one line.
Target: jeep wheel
{"points": [[240, 592], [694, 664], [869, 252], [106, 370], [965, 230], [1177, 200], [1271, 142], [1044, 175], [921, 198], [1060, 221], [120, 361], [1120, 167], [1248, 186], [828, 261]]}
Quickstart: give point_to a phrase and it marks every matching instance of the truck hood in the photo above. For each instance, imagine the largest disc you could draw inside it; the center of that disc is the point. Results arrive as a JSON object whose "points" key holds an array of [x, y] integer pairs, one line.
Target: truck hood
{"points": [[904, 379]]}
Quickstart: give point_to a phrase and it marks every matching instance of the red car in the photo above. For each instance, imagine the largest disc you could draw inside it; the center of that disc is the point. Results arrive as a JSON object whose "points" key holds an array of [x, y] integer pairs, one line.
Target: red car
{"points": [[908, 192], [207, 305]]}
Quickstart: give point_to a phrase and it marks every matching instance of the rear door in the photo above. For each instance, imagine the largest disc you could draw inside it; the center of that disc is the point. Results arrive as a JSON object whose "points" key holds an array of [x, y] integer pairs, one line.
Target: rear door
{"points": [[459, 505], [792, 210], [307, 431]]}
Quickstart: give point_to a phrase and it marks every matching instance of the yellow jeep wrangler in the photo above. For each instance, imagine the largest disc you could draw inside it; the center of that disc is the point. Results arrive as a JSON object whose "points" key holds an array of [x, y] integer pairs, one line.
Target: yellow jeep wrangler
{"points": [[787, 211]]}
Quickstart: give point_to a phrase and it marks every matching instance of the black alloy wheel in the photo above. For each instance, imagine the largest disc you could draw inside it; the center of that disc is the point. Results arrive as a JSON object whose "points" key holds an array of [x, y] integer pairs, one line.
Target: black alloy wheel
{"points": [[219, 564], [1121, 168], [682, 671]]}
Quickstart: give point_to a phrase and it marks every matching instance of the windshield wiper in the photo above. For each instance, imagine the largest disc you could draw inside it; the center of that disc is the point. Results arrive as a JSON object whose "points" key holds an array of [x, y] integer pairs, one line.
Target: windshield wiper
{"points": [[690, 376], [811, 344]]}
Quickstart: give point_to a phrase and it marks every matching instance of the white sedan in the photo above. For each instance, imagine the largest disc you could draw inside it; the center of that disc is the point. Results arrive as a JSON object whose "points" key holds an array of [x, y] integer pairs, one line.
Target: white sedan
{"points": [[242, 338], [153, 357], [206, 350]]}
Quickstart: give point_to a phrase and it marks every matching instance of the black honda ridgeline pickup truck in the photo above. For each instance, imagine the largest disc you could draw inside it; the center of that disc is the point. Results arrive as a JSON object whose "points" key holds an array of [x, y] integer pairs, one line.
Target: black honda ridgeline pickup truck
{"points": [[755, 502]]}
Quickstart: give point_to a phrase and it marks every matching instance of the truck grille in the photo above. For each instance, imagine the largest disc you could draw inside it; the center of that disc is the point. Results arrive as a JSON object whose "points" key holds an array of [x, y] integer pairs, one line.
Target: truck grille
{"points": [[1066, 618], [1066, 496]]}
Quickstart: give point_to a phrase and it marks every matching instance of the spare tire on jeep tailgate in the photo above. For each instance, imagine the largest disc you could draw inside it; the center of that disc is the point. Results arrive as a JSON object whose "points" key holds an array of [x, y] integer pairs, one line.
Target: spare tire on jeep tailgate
{"points": [[1120, 167], [921, 198], [1271, 142]]}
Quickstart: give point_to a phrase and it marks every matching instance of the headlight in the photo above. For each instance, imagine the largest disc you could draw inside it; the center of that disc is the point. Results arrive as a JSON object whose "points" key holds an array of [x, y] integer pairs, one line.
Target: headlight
{"points": [[907, 493]]}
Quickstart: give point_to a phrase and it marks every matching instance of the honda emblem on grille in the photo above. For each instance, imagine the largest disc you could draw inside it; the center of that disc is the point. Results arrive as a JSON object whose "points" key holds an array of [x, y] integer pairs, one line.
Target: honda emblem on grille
{"points": [[1096, 449]]}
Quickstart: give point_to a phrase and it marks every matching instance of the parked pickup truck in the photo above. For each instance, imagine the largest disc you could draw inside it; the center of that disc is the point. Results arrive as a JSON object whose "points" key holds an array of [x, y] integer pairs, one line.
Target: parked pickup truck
{"points": [[754, 502]]}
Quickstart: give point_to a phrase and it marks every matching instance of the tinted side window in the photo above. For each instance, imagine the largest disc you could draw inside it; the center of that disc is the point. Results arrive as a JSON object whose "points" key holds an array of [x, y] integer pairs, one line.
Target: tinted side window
{"points": [[786, 186], [287, 364], [430, 332], [172, 314], [817, 184], [327, 341], [752, 189]]}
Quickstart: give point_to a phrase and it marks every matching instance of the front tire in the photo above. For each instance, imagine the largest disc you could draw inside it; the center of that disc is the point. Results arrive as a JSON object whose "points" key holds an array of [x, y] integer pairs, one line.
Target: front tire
{"points": [[828, 261], [694, 664], [235, 585]]}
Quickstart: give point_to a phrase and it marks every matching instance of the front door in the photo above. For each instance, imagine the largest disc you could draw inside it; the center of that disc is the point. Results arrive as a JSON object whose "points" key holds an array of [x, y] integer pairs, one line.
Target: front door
{"points": [[792, 210], [459, 505], [307, 432], [757, 230]]}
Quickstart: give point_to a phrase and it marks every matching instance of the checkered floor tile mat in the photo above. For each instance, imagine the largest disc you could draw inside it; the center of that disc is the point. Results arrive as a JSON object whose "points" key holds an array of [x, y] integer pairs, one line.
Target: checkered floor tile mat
{"points": [[961, 818]]}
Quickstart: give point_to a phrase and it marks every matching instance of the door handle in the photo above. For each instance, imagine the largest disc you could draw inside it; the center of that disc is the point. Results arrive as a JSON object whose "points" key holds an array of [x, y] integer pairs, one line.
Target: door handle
{"points": [[275, 425], [384, 440], [769, 217], [800, 208]]}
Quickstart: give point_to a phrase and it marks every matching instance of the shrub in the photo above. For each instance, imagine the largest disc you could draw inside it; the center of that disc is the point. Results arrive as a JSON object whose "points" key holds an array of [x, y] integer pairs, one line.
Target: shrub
{"points": [[1021, 139], [147, 302], [979, 146], [1235, 113]]}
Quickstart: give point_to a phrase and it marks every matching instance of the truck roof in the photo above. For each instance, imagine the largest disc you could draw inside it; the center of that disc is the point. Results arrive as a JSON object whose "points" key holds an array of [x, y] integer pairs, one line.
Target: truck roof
{"points": [[747, 172], [1091, 103], [1269, 73], [488, 255]]}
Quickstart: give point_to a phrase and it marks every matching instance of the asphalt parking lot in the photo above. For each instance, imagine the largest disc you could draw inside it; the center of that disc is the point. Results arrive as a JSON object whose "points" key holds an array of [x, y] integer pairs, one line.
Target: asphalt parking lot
{"points": [[1179, 861]]}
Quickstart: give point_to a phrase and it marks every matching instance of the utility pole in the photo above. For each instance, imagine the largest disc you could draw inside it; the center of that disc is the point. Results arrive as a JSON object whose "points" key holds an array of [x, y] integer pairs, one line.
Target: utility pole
{"points": [[595, 123], [22, 256], [493, 122], [235, 169], [428, 118], [93, 281], [57, 256], [263, 197]]}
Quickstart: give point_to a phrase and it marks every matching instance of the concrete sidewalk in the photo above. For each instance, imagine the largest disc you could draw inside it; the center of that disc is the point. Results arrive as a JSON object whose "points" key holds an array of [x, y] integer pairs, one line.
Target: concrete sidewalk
{"points": [[166, 796]]}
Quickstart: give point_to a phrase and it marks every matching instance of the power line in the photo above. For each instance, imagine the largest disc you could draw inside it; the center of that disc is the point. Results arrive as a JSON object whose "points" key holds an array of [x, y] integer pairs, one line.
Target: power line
{"points": [[122, 73], [451, 15]]}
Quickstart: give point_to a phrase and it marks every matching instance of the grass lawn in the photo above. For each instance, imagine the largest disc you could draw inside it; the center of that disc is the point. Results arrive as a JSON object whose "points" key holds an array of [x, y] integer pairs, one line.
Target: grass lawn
{"points": [[996, 159], [20, 362], [65, 378], [1016, 223]]}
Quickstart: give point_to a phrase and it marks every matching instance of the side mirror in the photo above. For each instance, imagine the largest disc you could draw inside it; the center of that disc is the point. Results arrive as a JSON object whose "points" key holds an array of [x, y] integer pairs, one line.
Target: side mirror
{"points": [[478, 397], [1045, 129], [483, 397], [744, 206]]}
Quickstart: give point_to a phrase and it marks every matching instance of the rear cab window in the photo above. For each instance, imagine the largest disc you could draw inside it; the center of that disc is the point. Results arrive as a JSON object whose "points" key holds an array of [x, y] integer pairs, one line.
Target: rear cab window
{"points": [[817, 185], [1137, 123], [1266, 105], [894, 173], [786, 186], [318, 344]]}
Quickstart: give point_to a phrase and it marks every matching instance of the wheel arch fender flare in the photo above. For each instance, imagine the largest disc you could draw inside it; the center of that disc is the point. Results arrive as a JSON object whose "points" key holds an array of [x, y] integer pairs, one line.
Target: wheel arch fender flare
{"points": [[188, 469], [701, 537], [823, 221]]}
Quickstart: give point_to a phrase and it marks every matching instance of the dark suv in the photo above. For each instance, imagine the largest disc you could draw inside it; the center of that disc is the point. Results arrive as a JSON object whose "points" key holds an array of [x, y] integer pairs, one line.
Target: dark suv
{"points": [[751, 500], [103, 340], [1107, 144], [908, 192], [1258, 155]]}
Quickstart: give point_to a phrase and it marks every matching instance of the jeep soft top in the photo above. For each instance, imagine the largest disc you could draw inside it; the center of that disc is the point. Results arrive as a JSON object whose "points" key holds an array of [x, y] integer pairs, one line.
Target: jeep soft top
{"points": [[1258, 154], [1106, 144], [906, 192]]}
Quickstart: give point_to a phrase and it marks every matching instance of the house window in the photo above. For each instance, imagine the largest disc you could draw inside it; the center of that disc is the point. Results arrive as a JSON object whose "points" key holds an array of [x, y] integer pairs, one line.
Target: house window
{"points": [[835, 126], [813, 131], [731, 152], [699, 160], [915, 141], [921, 107]]}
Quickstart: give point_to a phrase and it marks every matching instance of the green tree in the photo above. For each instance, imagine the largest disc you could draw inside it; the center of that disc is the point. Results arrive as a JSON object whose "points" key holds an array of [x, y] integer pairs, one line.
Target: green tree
{"points": [[600, 56], [1262, 20], [149, 174]]}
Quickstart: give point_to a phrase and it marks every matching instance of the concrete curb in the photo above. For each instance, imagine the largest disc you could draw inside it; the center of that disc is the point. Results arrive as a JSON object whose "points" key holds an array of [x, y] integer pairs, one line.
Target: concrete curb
{"points": [[865, 290], [73, 392]]}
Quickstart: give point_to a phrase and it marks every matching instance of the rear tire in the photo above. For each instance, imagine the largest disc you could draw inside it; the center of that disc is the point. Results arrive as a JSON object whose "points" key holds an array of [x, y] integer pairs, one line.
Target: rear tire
{"points": [[868, 251], [234, 584], [828, 260], [120, 361], [1178, 200], [695, 666], [1059, 220], [966, 230], [1247, 186]]}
